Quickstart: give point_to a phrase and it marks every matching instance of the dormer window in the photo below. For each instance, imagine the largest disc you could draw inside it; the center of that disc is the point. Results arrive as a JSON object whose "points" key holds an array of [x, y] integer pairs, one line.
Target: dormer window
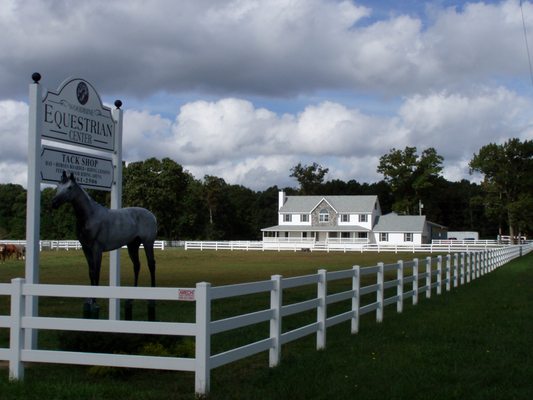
{"points": [[323, 216], [287, 218], [345, 217], [304, 217]]}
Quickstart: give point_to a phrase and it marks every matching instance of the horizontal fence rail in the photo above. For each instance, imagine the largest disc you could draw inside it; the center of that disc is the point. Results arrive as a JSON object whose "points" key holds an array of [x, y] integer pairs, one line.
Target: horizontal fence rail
{"points": [[384, 285]]}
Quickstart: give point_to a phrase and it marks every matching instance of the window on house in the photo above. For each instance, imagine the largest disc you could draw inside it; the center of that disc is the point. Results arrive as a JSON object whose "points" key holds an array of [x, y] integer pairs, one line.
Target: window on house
{"points": [[287, 217], [363, 217], [345, 235], [383, 237], [362, 235], [345, 217], [323, 216], [304, 217], [407, 237]]}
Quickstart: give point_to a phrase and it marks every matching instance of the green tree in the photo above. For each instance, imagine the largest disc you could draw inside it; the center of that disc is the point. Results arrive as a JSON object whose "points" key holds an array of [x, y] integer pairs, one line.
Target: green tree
{"points": [[310, 177], [12, 211], [216, 199], [160, 186], [507, 180], [410, 176], [57, 223], [266, 209]]}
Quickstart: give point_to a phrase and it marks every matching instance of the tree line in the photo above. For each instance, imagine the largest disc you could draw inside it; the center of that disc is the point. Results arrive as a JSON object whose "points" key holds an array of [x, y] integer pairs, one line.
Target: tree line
{"points": [[211, 209]]}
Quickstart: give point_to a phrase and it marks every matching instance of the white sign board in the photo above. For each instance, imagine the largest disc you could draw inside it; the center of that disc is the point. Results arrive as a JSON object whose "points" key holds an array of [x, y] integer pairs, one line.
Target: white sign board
{"points": [[90, 171], [75, 115]]}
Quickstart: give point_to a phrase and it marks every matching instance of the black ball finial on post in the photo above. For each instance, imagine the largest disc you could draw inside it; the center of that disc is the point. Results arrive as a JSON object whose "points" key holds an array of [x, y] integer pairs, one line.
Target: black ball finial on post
{"points": [[118, 103], [36, 77]]}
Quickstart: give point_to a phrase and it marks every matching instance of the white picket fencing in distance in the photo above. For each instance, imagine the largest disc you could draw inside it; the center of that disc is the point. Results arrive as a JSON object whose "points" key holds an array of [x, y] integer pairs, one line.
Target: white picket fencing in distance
{"points": [[419, 277], [339, 246], [69, 244]]}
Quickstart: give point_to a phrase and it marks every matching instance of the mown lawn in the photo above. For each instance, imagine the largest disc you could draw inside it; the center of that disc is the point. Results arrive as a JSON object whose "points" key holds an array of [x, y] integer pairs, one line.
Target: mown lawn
{"points": [[474, 342]]}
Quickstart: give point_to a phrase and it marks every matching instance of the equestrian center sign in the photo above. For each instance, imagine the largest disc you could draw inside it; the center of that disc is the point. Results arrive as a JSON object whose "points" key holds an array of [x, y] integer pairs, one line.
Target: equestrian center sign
{"points": [[75, 115], [71, 131]]}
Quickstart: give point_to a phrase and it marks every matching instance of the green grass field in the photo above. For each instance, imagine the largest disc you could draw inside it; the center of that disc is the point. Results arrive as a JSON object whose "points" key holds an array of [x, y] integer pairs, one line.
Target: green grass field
{"points": [[474, 342]]}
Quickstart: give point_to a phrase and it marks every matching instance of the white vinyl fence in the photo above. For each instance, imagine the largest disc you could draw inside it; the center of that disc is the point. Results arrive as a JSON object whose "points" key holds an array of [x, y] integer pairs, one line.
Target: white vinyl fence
{"points": [[328, 246], [411, 279], [69, 244]]}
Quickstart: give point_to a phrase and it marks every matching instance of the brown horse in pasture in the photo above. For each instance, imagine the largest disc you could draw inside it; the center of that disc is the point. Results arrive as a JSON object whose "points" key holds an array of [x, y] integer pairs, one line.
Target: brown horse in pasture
{"points": [[9, 250]]}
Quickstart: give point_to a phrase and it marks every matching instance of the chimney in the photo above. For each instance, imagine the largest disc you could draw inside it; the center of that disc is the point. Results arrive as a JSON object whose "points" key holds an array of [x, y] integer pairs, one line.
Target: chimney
{"points": [[282, 199]]}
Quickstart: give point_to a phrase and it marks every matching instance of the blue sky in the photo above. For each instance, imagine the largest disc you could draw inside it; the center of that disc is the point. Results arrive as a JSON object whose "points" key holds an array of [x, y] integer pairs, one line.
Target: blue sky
{"points": [[246, 89]]}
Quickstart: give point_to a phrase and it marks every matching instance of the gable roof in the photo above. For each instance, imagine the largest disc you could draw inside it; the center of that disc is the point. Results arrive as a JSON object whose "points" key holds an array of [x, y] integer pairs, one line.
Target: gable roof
{"points": [[400, 223], [341, 204]]}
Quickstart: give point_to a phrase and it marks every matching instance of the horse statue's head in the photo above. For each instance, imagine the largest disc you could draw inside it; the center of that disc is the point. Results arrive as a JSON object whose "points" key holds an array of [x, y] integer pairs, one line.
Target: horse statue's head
{"points": [[65, 190]]}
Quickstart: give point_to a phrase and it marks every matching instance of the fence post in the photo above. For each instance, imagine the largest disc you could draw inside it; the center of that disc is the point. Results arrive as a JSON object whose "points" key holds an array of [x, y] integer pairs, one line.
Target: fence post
{"points": [[356, 285], [276, 301], [415, 281], [16, 338], [203, 338], [399, 288], [439, 275], [455, 269], [321, 313], [428, 277], [468, 266], [448, 272], [463, 270], [380, 292]]}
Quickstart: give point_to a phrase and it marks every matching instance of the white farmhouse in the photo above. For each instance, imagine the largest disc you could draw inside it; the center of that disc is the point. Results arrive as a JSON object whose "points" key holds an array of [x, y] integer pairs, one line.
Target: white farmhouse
{"points": [[328, 221]]}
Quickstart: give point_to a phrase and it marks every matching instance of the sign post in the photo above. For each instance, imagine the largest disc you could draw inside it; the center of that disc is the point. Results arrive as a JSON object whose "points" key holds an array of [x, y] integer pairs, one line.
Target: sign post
{"points": [[33, 203], [116, 203]]}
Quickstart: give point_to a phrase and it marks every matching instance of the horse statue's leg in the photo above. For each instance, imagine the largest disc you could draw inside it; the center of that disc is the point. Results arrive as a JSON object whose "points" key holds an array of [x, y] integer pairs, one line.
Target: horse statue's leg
{"points": [[133, 251], [94, 261], [150, 259]]}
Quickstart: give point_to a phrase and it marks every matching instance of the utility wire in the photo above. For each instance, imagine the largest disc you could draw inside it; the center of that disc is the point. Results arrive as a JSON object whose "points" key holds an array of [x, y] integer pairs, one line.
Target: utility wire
{"points": [[527, 45]]}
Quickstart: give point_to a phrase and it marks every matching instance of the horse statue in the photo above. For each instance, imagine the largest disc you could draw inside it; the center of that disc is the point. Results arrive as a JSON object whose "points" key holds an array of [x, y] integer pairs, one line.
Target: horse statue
{"points": [[100, 229]]}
